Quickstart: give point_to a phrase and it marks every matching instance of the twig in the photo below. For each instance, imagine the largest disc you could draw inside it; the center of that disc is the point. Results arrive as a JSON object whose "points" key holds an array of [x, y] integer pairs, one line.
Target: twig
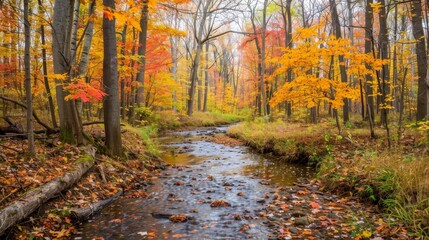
{"points": [[17, 180], [13, 149], [5, 198]]}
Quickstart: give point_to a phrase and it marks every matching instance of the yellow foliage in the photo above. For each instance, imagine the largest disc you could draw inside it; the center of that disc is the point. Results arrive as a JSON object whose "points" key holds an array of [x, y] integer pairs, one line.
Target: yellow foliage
{"points": [[164, 28], [376, 7], [60, 77], [315, 69]]}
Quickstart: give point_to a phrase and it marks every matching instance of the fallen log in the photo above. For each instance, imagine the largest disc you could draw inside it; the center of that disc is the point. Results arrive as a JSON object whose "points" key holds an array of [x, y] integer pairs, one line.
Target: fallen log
{"points": [[96, 122], [82, 214], [31, 201], [12, 128]]}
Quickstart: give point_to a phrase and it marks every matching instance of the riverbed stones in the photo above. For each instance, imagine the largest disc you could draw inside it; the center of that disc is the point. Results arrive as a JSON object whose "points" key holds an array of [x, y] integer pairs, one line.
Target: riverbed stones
{"points": [[302, 221]]}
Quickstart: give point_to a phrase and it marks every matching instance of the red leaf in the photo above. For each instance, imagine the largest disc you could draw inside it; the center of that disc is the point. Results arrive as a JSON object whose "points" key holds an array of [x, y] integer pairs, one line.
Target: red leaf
{"points": [[314, 205]]}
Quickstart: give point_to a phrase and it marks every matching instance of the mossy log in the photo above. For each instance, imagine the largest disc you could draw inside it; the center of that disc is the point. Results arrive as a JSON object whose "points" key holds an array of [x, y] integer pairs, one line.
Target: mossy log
{"points": [[32, 200], [82, 214]]}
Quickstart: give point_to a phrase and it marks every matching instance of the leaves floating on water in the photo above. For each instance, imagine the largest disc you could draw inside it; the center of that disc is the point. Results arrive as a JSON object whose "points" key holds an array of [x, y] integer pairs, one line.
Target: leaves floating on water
{"points": [[179, 183], [219, 203], [179, 218]]}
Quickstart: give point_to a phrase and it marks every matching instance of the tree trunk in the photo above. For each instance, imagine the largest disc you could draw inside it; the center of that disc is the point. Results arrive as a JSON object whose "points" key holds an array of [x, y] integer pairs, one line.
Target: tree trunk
{"points": [[174, 42], [287, 18], [200, 91], [123, 52], [62, 25], [84, 59], [193, 78], [132, 99], [77, 123], [206, 77], [395, 62], [384, 54], [142, 52], [22, 208], [401, 104], [263, 50], [337, 30], [45, 71], [28, 95], [419, 36], [369, 80], [89, 33], [112, 117]]}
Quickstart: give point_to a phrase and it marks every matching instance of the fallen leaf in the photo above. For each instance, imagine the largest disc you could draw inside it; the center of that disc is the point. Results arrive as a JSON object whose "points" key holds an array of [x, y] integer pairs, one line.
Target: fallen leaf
{"points": [[151, 235], [219, 203], [314, 205], [179, 183], [366, 234], [179, 235], [179, 218]]}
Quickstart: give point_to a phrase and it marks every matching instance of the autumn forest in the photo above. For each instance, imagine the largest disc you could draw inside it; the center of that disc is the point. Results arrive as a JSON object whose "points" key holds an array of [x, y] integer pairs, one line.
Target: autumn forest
{"points": [[88, 87]]}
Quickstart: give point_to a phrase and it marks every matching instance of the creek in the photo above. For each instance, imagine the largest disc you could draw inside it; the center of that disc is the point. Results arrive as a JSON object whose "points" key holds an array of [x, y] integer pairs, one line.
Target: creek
{"points": [[203, 172]]}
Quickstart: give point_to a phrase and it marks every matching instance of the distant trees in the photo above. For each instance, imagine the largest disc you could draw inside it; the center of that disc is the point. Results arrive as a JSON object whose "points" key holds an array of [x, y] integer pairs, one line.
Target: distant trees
{"points": [[206, 24], [212, 55]]}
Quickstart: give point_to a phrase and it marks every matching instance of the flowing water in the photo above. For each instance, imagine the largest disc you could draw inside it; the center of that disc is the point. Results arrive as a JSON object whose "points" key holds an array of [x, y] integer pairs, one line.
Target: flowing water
{"points": [[211, 171]]}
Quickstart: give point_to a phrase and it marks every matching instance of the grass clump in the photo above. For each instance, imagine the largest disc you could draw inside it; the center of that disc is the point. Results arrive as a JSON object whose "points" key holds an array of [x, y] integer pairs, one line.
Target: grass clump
{"points": [[403, 185], [169, 120], [147, 139], [293, 142]]}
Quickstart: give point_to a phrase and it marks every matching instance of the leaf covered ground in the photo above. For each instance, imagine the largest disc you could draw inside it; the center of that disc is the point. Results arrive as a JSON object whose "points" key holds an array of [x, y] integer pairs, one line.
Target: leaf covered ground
{"points": [[20, 174]]}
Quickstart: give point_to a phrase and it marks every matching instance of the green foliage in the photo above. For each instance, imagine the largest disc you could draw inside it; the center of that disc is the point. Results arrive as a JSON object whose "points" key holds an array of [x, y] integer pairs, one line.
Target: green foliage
{"points": [[148, 134], [143, 115]]}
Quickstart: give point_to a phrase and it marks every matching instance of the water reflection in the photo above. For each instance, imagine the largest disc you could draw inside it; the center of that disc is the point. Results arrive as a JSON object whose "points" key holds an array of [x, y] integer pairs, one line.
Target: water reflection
{"points": [[276, 170]]}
